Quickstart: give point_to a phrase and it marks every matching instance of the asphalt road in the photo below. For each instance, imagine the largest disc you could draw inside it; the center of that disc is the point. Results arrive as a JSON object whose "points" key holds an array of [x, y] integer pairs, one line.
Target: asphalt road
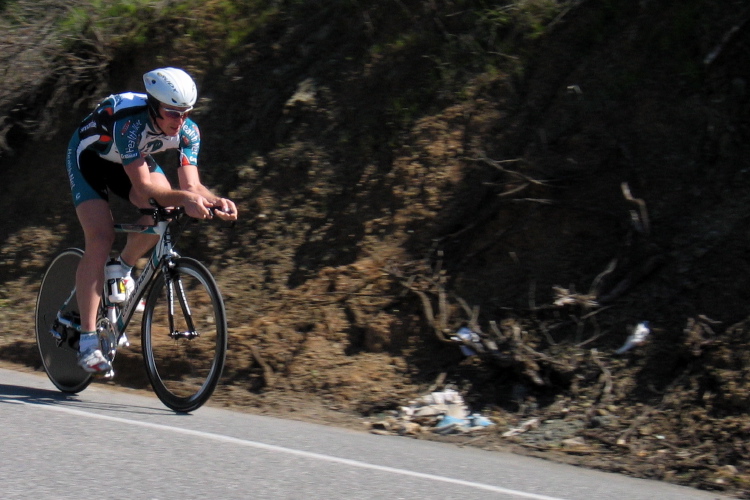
{"points": [[116, 445]]}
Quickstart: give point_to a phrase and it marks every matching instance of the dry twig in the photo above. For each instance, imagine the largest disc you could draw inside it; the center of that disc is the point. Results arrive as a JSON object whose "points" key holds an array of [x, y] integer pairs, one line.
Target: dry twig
{"points": [[640, 218], [268, 374]]}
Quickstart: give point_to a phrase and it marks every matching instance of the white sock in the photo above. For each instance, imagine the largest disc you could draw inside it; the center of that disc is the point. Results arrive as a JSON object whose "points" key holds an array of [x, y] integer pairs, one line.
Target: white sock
{"points": [[88, 341], [125, 267]]}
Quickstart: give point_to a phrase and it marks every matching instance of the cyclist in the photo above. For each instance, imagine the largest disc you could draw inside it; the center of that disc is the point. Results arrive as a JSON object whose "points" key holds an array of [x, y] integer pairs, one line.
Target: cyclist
{"points": [[110, 152]]}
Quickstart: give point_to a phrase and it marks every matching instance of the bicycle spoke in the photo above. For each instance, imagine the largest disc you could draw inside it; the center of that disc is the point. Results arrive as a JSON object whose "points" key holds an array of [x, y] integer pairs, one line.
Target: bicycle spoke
{"points": [[184, 336]]}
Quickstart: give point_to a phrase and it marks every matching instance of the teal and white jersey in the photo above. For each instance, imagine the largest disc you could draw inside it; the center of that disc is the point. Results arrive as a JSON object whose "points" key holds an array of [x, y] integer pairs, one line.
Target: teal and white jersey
{"points": [[120, 131]]}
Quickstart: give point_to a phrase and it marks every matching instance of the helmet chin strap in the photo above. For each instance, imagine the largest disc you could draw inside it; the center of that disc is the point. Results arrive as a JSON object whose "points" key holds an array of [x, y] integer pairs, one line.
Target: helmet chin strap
{"points": [[153, 107], [156, 125], [153, 112]]}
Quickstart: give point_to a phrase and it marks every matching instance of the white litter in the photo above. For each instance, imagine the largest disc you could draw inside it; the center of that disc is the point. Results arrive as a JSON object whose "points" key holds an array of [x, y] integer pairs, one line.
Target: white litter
{"points": [[638, 337]]}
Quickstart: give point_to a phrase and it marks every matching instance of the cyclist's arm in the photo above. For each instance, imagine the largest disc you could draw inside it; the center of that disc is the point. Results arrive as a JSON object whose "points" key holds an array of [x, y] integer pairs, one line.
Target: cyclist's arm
{"points": [[189, 178], [144, 188]]}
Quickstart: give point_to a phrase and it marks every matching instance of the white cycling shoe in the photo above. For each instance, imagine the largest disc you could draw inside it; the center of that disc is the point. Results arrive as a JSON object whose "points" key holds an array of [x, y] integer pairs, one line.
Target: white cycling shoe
{"points": [[93, 361]]}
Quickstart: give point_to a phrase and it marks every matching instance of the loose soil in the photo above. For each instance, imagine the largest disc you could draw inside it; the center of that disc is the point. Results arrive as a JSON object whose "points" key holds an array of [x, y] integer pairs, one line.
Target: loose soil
{"points": [[550, 211]]}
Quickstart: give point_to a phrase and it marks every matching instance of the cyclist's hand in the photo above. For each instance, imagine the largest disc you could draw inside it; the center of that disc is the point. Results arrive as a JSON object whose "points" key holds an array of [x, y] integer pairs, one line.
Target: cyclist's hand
{"points": [[197, 206], [225, 209]]}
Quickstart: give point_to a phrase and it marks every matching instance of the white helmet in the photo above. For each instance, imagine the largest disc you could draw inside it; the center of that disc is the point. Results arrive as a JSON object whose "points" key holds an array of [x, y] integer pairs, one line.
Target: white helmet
{"points": [[171, 86]]}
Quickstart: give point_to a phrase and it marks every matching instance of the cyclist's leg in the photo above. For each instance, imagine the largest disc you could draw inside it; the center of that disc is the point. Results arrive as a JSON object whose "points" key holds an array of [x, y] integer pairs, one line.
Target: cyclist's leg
{"points": [[90, 197], [138, 244], [96, 220]]}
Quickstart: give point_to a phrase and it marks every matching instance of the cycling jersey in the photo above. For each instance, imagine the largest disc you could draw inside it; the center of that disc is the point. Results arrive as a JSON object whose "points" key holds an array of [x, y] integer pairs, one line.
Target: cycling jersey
{"points": [[120, 131]]}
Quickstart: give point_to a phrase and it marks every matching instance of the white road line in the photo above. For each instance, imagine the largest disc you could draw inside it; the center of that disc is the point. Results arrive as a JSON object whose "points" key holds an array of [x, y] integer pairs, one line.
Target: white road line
{"points": [[291, 451]]}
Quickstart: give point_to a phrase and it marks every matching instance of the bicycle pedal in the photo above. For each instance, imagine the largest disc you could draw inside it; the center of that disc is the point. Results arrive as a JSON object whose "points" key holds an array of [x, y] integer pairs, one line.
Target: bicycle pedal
{"points": [[59, 339], [108, 375]]}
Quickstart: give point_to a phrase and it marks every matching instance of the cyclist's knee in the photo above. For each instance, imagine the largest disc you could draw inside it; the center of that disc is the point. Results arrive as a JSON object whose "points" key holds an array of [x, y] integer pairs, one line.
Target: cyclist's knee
{"points": [[99, 245], [99, 238]]}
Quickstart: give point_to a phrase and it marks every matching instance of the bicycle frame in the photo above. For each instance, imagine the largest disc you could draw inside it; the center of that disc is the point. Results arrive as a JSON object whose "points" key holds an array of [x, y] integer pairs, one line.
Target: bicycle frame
{"points": [[183, 354], [117, 316], [120, 316]]}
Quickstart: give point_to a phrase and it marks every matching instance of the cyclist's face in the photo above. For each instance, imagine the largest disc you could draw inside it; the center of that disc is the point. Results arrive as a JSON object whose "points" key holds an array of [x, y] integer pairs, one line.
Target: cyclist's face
{"points": [[172, 119]]}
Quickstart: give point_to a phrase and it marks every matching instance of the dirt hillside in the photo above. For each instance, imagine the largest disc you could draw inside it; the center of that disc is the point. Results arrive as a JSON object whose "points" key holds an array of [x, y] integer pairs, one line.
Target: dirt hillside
{"points": [[549, 206]]}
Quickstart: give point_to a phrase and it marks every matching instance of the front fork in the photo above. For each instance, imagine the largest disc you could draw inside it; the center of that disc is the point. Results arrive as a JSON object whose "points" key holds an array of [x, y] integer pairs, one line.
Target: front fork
{"points": [[172, 282]]}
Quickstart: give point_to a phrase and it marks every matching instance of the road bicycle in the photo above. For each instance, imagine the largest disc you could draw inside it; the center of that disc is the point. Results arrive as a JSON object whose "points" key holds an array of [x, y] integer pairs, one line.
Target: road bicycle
{"points": [[183, 328]]}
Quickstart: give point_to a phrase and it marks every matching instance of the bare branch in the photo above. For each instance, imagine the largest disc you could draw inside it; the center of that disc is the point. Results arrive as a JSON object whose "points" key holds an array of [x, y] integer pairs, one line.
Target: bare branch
{"points": [[639, 219], [498, 164]]}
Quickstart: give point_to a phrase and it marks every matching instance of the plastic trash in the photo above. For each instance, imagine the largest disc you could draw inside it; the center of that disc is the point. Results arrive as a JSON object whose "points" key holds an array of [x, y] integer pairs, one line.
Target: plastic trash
{"points": [[638, 337], [477, 420], [467, 335], [449, 424]]}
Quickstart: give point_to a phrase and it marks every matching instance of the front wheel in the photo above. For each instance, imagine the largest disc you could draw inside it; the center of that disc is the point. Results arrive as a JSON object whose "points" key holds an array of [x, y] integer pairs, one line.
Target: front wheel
{"points": [[58, 345], [184, 335]]}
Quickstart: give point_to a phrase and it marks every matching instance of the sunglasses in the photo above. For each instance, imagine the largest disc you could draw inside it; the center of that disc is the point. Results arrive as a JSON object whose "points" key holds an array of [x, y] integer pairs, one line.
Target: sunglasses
{"points": [[176, 114]]}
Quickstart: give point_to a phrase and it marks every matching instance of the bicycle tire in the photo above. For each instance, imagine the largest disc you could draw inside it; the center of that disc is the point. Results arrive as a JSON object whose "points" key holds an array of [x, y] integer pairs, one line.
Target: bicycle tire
{"points": [[184, 372], [60, 362]]}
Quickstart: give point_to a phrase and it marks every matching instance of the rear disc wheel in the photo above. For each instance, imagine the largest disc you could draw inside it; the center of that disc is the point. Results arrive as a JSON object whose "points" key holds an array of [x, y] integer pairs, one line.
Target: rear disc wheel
{"points": [[60, 355]]}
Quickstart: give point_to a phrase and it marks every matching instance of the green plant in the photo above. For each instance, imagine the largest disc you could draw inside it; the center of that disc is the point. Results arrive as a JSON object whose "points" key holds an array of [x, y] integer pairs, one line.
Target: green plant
{"points": [[524, 19]]}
